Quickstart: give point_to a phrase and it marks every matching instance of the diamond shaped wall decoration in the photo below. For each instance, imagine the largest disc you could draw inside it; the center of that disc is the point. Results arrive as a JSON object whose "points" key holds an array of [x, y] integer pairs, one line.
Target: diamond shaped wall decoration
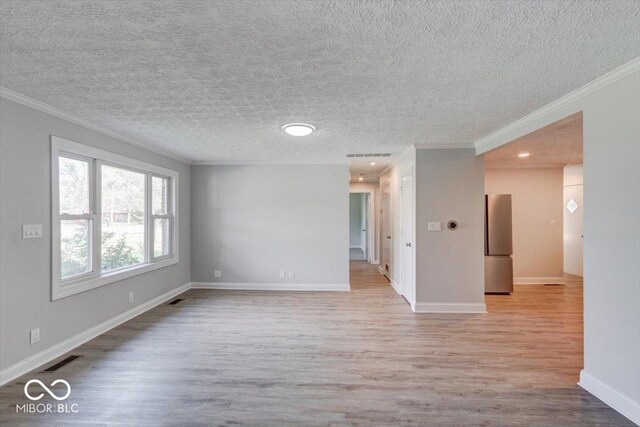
{"points": [[572, 206]]}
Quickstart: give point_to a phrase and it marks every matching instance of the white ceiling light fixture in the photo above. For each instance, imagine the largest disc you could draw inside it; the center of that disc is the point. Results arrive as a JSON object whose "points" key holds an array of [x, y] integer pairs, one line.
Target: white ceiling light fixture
{"points": [[523, 155], [372, 163], [298, 129]]}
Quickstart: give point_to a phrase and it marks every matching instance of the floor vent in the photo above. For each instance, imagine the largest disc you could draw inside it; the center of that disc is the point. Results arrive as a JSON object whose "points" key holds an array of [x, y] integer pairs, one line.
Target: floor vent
{"points": [[369, 155], [61, 363], [175, 301]]}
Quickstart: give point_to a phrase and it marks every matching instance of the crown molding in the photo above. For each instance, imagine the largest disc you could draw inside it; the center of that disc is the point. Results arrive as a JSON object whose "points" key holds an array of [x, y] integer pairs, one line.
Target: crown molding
{"points": [[443, 146], [280, 163], [49, 109], [493, 140]]}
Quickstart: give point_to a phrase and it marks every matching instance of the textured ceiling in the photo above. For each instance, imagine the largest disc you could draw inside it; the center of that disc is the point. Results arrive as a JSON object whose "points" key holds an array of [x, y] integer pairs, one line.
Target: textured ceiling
{"points": [[555, 145], [215, 80]]}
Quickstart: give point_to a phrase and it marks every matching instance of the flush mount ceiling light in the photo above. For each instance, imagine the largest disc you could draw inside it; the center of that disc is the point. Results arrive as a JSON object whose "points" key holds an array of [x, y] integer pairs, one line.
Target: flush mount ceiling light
{"points": [[298, 129], [372, 163], [523, 155]]}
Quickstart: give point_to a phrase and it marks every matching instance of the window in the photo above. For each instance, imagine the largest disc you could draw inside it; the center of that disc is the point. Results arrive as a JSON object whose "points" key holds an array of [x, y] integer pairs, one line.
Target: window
{"points": [[112, 217]]}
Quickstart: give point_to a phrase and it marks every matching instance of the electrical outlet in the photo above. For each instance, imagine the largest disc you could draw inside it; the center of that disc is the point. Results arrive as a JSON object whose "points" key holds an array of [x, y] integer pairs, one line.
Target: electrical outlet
{"points": [[34, 335], [217, 273], [552, 223], [282, 274], [291, 275], [130, 296]]}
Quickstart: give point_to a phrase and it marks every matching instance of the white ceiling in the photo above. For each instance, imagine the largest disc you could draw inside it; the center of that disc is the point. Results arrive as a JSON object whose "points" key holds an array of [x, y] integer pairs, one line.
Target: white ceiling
{"points": [[215, 80], [555, 145]]}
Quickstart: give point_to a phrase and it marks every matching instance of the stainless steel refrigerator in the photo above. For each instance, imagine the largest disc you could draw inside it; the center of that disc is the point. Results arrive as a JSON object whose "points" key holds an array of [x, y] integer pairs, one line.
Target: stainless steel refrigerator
{"points": [[498, 245]]}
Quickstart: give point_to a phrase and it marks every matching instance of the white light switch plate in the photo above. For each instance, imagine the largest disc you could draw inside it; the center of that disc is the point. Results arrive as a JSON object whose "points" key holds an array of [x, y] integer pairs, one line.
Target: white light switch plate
{"points": [[217, 273], [434, 226], [31, 231]]}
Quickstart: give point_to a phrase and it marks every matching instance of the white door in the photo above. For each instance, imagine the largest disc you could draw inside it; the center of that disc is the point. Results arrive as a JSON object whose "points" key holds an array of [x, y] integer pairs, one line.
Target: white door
{"points": [[406, 232], [385, 213], [573, 231]]}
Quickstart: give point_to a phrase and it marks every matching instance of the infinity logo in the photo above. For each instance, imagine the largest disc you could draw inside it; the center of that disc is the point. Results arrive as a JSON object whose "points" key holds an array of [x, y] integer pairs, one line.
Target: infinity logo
{"points": [[52, 394]]}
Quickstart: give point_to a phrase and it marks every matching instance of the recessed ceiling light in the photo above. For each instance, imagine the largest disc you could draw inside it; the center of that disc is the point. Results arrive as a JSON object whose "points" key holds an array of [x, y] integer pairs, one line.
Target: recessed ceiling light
{"points": [[298, 129], [523, 155], [361, 179], [372, 163]]}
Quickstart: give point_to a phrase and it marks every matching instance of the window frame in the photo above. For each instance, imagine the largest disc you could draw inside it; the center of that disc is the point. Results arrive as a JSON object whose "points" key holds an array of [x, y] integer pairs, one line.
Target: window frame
{"points": [[168, 216], [95, 278]]}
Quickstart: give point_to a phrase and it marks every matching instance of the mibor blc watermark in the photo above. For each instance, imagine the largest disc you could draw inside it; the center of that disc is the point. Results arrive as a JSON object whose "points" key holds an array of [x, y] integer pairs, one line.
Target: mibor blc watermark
{"points": [[35, 393]]}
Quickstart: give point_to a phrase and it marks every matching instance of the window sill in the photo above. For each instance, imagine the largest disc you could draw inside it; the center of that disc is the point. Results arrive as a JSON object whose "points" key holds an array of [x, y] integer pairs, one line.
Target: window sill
{"points": [[64, 290]]}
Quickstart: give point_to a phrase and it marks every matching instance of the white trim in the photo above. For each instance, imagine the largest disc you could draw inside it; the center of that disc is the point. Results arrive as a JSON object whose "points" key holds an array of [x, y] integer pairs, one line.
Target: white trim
{"points": [[308, 287], [395, 286], [443, 307], [49, 109], [618, 401], [538, 280], [505, 134], [273, 163], [61, 146], [443, 146], [375, 262], [32, 362]]}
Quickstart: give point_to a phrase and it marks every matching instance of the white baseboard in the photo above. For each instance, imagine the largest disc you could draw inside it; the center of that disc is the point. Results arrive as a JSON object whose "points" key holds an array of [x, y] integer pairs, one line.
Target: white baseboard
{"points": [[538, 280], [395, 286], [611, 397], [443, 307], [309, 287], [24, 366]]}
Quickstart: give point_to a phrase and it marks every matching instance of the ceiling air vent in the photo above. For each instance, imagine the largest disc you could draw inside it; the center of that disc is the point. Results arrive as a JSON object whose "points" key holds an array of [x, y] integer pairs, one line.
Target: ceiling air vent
{"points": [[370, 155]]}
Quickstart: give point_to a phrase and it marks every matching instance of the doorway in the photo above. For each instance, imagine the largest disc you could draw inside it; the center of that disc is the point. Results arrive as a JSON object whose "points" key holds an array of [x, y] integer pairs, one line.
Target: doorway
{"points": [[542, 174], [359, 227]]}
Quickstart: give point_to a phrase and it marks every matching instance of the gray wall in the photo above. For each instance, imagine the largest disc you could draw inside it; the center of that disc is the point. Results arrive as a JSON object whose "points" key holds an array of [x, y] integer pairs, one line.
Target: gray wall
{"points": [[251, 222], [449, 264], [355, 219], [25, 265], [612, 236]]}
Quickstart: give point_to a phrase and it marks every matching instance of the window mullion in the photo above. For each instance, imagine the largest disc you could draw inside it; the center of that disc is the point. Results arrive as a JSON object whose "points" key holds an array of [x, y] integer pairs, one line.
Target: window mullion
{"points": [[96, 244], [148, 215]]}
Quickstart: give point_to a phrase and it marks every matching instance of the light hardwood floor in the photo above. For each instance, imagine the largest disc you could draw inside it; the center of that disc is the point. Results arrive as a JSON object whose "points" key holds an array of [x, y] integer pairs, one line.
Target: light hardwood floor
{"points": [[333, 358]]}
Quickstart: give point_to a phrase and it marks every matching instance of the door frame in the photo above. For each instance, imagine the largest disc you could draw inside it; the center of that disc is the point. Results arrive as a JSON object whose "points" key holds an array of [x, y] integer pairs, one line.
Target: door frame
{"points": [[371, 231]]}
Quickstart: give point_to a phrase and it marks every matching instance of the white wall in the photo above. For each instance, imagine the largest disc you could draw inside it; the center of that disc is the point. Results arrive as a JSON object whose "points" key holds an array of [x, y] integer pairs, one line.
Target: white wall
{"points": [[355, 220], [25, 265], [251, 222], [536, 202], [573, 224], [450, 264], [611, 144]]}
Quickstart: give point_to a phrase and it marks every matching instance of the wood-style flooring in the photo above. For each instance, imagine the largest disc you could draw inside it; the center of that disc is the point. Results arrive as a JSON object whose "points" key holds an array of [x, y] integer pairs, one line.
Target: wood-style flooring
{"points": [[331, 358]]}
